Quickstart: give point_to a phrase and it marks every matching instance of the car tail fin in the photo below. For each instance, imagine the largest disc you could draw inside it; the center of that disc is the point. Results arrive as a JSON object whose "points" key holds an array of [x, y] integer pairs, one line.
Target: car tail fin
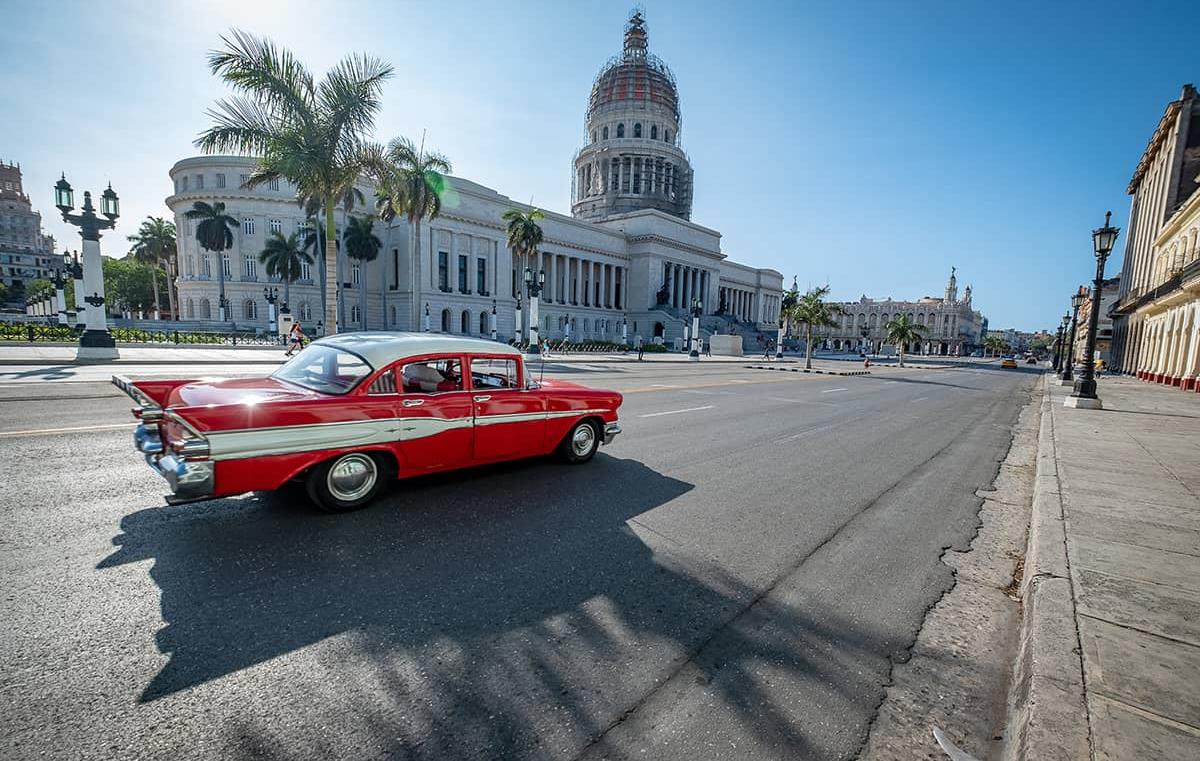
{"points": [[149, 395]]}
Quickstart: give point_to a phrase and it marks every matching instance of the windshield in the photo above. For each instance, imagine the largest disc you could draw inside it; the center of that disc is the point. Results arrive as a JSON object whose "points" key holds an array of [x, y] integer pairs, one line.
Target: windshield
{"points": [[325, 369]]}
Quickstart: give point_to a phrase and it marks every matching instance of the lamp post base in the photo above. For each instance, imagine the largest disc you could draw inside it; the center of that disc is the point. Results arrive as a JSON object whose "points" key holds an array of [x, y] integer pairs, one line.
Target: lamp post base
{"points": [[1083, 403], [693, 356], [96, 346]]}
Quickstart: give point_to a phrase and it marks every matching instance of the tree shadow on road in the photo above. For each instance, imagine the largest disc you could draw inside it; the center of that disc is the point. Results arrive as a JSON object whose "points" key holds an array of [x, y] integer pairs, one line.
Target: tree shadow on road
{"points": [[506, 612]]}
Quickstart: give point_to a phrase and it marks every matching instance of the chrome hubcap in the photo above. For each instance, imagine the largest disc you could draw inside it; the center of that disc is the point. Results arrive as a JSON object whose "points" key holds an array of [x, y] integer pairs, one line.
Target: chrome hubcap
{"points": [[351, 477], [583, 439]]}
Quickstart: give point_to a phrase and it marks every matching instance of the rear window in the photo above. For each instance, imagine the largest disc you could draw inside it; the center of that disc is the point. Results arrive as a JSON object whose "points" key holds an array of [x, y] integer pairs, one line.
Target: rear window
{"points": [[494, 373], [325, 369]]}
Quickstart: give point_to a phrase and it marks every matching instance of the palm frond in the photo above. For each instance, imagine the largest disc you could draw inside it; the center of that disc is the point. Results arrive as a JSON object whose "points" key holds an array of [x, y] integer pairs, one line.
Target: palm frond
{"points": [[272, 74]]}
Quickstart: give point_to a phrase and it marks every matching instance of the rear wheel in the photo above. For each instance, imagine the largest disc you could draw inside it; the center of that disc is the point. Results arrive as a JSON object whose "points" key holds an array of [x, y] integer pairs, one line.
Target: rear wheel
{"points": [[580, 443], [346, 483]]}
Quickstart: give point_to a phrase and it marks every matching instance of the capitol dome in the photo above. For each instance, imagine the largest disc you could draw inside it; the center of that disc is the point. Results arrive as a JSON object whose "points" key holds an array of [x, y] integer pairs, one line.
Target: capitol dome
{"points": [[635, 76], [632, 159]]}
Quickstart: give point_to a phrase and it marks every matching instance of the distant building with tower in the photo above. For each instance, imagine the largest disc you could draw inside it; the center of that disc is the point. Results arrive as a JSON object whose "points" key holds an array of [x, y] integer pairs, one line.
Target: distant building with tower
{"points": [[25, 251], [952, 327]]}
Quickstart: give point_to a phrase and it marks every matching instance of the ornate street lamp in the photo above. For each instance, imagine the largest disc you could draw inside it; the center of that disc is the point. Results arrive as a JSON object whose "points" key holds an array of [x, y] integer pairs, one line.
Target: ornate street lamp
{"points": [[1058, 339], [864, 331], [1069, 355], [59, 280], [1103, 240], [517, 327], [271, 294], [625, 331], [697, 310], [96, 342], [533, 286], [493, 325], [425, 320]]}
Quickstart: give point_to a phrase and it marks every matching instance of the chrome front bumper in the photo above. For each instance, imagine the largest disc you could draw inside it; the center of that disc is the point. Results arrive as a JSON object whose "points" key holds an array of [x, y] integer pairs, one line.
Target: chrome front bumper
{"points": [[189, 479], [610, 432]]}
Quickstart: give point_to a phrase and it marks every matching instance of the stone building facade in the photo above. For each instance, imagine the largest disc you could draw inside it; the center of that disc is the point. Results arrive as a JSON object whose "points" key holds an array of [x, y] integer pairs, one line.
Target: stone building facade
{"points": [[26, 253], [952, 326], [1156, 320], [628, 262], [1104, 329]]}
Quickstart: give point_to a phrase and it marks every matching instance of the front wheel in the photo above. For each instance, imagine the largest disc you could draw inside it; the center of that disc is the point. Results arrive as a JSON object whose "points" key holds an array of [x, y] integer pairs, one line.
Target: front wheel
{"points": [[345, 483], [581, 443]]}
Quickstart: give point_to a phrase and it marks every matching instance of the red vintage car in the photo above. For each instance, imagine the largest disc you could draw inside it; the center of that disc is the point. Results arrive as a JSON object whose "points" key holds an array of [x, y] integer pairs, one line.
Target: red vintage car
{"points": [[353, 410]]}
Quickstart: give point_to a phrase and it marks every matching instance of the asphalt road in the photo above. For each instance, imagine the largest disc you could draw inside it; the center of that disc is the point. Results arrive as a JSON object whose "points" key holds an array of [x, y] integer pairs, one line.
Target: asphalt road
{"points": [[733, 578]]}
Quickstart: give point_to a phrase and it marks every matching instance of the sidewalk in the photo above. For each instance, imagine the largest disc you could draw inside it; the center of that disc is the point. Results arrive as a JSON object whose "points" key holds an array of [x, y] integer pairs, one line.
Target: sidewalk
{"points": [[136, 354], [1128, 487]]}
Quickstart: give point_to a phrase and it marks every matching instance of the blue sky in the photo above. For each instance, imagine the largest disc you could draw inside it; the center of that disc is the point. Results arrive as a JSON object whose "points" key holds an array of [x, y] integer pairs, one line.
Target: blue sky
{"points": [[868, 144]]}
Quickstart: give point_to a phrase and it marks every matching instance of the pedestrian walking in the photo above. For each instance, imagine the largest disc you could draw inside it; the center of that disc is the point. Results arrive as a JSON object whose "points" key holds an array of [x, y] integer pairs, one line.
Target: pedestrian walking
{"points": [[767, 351], [707, 349], [295, 338], [638, 343]]}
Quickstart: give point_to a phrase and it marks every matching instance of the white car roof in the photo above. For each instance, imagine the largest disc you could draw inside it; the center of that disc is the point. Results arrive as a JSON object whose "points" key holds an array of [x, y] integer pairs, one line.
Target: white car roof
{"points": [[383, 347]]}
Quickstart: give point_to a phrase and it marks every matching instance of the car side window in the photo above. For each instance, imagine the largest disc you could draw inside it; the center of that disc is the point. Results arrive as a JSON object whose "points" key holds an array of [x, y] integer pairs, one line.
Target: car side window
{"points": [[384, 384], [432, 376], [491, 373]]}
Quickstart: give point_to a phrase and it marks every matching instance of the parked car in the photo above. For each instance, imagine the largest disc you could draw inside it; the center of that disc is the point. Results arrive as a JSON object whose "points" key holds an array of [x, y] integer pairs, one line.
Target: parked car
{"points": [[351, 411], [1008, 363]]}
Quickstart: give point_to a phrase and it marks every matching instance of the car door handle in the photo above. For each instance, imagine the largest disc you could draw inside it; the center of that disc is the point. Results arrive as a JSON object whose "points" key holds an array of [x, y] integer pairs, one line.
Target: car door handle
{"points": [[413, 402], [483, 397]]}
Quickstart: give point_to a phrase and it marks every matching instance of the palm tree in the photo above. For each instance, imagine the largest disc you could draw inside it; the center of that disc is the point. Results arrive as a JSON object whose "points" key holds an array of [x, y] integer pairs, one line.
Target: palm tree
{"points": [[313, 206], [413, 182], [524, 236], [813, 311], [311, 134], [994, 344], [362, 245], [786, 306], [285, 259], [214, 233], [900, 331], [155, 244]]}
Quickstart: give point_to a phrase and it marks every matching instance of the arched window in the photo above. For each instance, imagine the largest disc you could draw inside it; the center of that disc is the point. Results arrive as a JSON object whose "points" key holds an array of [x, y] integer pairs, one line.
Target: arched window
{"points": [[205, 310], [250, 310], [445, 320], [305, 311], [921, 318], [587, 325], [667, 135], [637, 130], [593, 136], [862, 318], [465, 322], [620, 130], [883, 318], [604, 133], [653, 131], [483, 323], [872, 323]]}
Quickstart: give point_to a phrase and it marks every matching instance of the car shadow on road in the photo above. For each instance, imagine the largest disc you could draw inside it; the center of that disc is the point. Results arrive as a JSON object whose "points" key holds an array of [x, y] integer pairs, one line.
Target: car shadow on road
{"points": [[57, 372], [486, 609]]}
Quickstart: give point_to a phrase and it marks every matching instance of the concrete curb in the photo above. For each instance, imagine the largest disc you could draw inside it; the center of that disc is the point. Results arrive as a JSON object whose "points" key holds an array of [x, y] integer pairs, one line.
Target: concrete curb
{"points": [[1047, 715], [802, 370]]}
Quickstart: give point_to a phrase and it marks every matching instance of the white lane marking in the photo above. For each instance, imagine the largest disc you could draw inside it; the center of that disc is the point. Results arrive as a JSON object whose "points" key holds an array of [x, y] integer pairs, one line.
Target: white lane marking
{"points": [[38, 431], [831, 390], [709, 393], [920, 399], [662, 385], [676, 412], [810, 431]]}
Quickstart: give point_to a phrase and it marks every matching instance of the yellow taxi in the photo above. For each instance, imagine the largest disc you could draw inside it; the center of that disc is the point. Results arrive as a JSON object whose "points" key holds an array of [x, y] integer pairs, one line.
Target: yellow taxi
{"points": [[1008, 363]]}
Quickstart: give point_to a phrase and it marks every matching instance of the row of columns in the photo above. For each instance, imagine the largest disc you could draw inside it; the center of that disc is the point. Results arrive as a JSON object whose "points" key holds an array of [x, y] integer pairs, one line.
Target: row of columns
{"points": [[627, 175], [583, 282], [739, 302], [1170, 347], [686, 283]]}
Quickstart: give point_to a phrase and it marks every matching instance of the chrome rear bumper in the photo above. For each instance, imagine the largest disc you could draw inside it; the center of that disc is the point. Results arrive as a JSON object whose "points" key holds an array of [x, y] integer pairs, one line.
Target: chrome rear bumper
{"points": [[610, 432], [188, 479]]}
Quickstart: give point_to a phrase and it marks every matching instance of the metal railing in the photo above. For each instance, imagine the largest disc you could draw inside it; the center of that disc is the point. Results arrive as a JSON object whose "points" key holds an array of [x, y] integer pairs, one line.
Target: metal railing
{"points": [[35, 333]]}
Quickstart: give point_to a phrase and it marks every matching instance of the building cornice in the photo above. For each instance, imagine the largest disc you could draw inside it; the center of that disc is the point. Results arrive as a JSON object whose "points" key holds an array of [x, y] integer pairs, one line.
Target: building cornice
{"points": [[1160, 134]]}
